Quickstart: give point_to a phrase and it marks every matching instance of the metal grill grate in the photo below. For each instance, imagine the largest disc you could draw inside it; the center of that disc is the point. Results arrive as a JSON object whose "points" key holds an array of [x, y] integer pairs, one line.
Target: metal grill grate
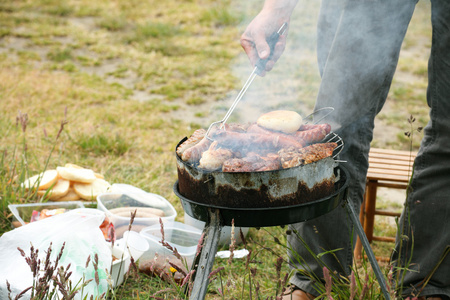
{"points": [[334, 138]]}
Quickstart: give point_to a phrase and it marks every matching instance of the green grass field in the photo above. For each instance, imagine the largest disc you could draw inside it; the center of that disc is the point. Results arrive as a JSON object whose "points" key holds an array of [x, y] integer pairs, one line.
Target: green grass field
{"points": [[130, 79]]}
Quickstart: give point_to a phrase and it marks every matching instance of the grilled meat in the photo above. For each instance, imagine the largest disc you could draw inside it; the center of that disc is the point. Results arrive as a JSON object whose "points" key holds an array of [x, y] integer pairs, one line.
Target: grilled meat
{"points": [[214, 157], [252, 163], [196, 140], [255, 128], [237, 140], [313, 133], [291, 157], [194, 153], [250, 148], [238, 165], [236, 127], [271, 162], [193, 140]]}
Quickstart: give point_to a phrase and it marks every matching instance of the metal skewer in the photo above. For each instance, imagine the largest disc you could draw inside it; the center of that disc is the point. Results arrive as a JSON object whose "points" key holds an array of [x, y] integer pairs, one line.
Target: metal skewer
{"points": [[239, 97], [260, 66]]}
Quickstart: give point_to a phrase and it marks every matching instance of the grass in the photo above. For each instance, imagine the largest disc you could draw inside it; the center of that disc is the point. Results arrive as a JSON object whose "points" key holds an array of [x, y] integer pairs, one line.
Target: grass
{"points": [[84, 62]]}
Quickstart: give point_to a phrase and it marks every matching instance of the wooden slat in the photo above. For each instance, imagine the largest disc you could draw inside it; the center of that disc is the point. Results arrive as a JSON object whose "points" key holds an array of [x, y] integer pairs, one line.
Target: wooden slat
{"points": [[377, 174], [382, 259], [389, 171], [387, 213], [407, 161], [396, 162], [391, 162], [390, 165], [383, 239], [387, 177], [392, 184], [389, 151]]}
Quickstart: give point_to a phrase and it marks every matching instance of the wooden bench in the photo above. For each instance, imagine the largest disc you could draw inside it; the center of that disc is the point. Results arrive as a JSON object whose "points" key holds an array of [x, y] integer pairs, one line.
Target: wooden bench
{"points": [[387, 168]]}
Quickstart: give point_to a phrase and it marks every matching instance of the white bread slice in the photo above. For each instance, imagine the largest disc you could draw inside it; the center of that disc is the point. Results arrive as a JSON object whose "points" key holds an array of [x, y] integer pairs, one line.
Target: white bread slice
{"points": [[90, 191], [41, 181], [286, 121], [76, 175], [60, 189]]}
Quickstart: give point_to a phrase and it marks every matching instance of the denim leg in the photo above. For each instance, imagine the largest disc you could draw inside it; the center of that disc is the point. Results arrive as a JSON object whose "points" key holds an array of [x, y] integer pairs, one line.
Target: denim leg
{"points": [[426, 218], [358, 49], [332, 231]]}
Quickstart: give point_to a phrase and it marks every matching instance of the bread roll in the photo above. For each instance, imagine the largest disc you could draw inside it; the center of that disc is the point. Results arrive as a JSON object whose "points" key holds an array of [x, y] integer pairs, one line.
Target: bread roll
{"points": [[281, 120], [74, 166], [41, 181], [68, 165], [70, 196], [60, 189], [77, 174], [91, 190], [99, 175]]}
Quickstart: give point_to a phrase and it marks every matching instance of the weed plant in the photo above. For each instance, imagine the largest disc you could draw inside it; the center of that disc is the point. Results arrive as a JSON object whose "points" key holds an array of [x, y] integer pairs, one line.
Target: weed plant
{"points": [[51, 281]]}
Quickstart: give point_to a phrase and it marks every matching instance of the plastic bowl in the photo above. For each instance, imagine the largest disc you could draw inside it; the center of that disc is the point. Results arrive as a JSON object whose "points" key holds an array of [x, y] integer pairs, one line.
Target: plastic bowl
{"points": [[108, 201], [178, 235], [134, 243], [120, 265], [22, 213]]}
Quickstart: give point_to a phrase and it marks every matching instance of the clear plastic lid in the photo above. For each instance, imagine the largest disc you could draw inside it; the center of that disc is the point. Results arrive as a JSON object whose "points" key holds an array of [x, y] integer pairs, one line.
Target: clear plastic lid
{"points": [[183, 237]]}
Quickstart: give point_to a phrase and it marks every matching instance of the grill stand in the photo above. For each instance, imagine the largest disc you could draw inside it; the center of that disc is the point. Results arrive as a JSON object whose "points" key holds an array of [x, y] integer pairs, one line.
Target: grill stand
{"points": [[205, 260], [367, 248]]}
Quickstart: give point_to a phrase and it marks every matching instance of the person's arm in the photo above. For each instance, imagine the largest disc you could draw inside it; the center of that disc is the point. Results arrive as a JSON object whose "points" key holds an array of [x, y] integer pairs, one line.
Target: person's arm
{"points": [[272, 16]]}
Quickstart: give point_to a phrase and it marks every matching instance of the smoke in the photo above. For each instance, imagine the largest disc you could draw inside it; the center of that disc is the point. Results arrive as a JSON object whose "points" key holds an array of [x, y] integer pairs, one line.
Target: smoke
{"points": [[339, 53], [358, 49]]}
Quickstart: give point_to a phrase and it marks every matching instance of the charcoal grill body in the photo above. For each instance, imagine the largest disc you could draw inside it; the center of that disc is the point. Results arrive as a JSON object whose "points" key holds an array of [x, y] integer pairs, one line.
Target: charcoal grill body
{"points": [[216, 217]]}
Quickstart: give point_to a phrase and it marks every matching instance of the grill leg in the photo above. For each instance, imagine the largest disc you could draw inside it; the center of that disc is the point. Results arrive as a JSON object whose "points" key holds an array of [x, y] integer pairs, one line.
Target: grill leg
{"points": [[206, 261], [368, 249]]}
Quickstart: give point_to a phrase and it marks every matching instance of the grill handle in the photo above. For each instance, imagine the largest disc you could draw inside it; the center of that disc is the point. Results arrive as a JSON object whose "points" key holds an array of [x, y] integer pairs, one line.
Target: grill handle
{"points": [[272, 41]]}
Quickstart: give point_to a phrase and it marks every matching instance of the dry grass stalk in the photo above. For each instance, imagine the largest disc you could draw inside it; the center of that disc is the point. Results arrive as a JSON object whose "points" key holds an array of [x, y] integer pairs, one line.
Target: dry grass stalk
{"points": [[51, 278]]}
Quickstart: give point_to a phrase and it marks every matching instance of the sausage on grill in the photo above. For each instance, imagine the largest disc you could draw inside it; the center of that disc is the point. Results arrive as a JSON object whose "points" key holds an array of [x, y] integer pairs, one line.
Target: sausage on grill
{"points": [[313, 133]]}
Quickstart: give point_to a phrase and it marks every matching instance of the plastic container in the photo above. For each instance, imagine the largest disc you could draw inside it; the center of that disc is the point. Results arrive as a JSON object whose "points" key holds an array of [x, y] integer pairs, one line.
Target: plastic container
{"points": [[22, 213], [120, 265], [108, 201], [225, 234], [89, 211], [133, 243], [178, 235]]}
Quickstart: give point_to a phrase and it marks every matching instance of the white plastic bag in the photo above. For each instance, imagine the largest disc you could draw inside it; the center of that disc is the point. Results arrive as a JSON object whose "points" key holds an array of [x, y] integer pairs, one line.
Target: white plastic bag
{"points": [[82, 237]]}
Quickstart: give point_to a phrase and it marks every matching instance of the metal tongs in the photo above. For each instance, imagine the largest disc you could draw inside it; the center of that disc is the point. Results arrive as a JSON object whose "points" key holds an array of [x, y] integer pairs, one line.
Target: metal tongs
{"points": [[260, 66]]}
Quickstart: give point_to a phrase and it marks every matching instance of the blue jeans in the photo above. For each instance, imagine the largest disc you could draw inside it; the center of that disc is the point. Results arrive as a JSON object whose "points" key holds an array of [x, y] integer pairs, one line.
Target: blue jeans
{"points": [[358, 48]]}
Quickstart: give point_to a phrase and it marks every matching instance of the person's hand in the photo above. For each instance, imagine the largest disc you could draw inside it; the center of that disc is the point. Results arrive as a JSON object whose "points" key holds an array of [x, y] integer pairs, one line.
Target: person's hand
{"points": [[254, 38]]}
